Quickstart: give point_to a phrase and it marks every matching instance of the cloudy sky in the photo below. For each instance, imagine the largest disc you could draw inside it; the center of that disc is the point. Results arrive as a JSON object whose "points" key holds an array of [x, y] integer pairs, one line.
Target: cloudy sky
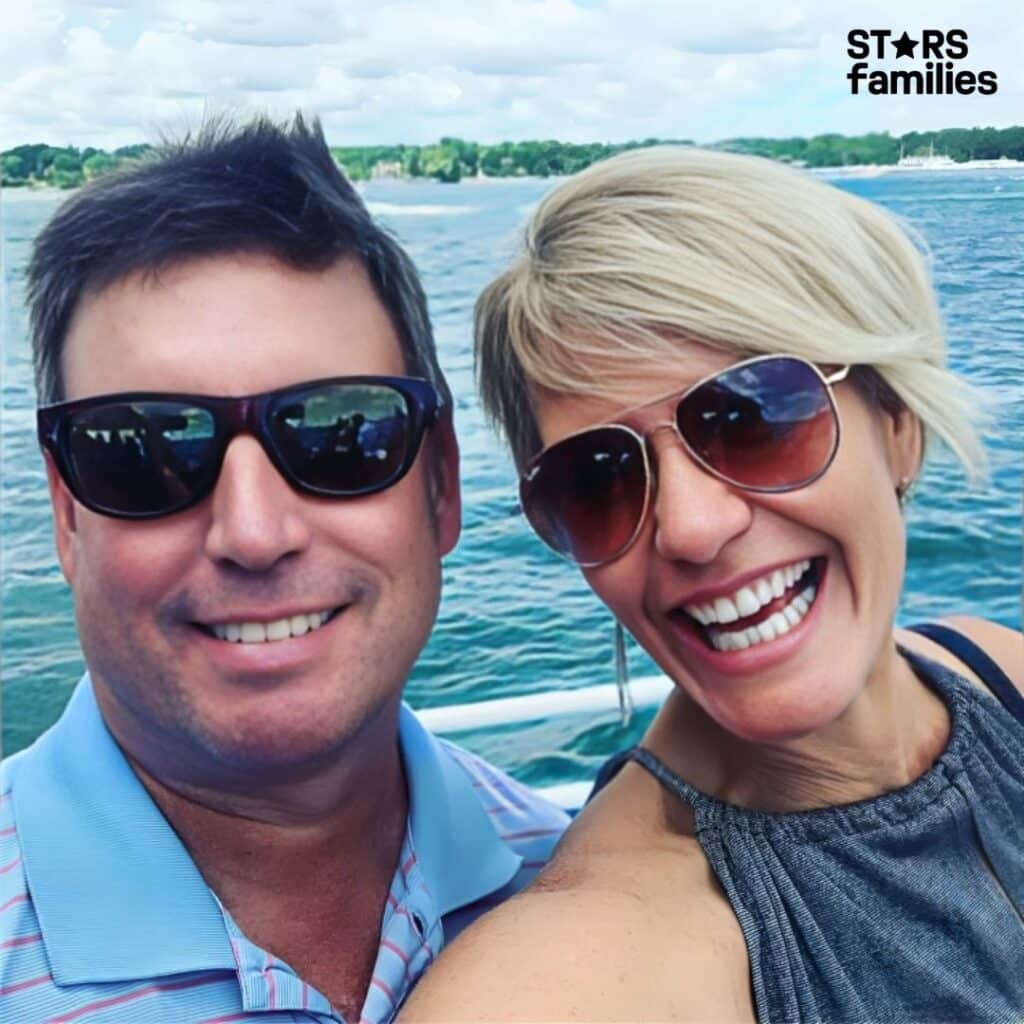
{"points": [[112, 73]]}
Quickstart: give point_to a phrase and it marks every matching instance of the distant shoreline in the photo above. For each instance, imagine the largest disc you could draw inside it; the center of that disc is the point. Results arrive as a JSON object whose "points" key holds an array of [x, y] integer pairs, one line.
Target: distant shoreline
{"points": [[453, 159], [40, 191]]}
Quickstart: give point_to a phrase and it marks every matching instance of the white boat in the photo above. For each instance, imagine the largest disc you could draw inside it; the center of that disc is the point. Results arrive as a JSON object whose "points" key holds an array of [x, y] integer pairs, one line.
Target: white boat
{"points": [[931, 162]]}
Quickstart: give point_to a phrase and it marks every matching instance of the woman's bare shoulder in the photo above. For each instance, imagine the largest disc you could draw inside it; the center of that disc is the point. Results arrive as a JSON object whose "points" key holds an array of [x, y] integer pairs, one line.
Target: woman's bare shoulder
{"points": [[1005, 646], [618, 927]]}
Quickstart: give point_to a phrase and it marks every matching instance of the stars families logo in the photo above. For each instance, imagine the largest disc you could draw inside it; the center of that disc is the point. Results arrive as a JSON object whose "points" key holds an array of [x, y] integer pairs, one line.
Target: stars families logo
{"points": [[935, 72]]}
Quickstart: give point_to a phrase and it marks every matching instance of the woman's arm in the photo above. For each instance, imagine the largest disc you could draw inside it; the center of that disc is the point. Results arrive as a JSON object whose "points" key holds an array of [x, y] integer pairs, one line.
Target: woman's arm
{"points": [[1004, 646], [626, 924], [559, 956]]}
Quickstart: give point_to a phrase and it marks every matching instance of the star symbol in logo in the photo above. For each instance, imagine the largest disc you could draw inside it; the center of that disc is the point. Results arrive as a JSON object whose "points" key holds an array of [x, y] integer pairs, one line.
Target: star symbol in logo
{"points": [[904, 45]]}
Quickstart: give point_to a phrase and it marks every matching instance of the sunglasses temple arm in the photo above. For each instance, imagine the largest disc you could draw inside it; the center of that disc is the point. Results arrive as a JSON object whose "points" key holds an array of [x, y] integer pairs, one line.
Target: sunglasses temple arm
{"points": [[840, 375]]}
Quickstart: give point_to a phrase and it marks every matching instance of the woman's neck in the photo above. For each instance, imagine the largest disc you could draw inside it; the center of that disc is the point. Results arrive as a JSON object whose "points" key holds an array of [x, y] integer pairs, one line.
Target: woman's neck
{"points": [[890, 735]]}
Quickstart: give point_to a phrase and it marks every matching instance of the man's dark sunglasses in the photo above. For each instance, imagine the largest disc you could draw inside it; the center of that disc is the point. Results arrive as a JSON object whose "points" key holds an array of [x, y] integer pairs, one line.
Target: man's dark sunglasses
{"points": [[140, 455]]}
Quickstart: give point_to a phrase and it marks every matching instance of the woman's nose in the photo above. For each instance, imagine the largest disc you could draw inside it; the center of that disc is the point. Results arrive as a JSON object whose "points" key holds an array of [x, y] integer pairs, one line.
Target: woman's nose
{"points": [[695, 514]]}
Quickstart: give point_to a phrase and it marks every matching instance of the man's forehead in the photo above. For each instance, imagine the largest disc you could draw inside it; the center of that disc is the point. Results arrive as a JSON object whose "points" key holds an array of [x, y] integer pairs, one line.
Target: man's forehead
{"points": [[231, 324]]}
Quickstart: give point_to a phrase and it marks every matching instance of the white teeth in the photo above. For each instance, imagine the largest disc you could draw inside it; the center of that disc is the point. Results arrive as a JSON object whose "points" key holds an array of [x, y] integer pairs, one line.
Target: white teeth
{"points": [[725, 610], [748, 599], [263, 632], [279, 630], [746, 602], [253, 632], [776, 625]]}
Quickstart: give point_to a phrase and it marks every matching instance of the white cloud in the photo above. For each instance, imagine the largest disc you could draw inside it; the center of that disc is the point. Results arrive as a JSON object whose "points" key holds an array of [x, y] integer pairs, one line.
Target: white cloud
{"points": [[109, 72]]}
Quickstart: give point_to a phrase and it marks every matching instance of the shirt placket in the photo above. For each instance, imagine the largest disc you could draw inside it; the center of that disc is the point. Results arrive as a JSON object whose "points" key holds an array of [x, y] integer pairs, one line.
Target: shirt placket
{"points": [[411, 938]]}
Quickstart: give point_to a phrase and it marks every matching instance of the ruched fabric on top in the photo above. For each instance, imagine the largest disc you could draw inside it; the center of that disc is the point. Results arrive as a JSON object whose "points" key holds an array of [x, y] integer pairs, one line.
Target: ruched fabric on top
{"points": [[907, 907]]}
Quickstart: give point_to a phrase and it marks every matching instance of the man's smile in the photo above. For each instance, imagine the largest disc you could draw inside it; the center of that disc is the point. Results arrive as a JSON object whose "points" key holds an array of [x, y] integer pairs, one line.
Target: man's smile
{"points": [[250, 630]]}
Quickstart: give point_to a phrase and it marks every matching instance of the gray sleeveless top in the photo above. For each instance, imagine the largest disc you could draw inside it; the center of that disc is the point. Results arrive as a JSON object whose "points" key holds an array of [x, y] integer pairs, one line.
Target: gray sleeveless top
{"points": [[906, 907]]}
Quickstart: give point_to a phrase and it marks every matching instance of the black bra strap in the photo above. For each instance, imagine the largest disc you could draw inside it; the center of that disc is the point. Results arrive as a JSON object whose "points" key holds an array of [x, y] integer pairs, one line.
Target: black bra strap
{"points": [[978, 661]]}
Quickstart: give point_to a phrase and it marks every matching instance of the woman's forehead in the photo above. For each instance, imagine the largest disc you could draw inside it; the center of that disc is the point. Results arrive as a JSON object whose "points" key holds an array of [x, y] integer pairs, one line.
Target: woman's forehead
{"points": [[627, 392]]}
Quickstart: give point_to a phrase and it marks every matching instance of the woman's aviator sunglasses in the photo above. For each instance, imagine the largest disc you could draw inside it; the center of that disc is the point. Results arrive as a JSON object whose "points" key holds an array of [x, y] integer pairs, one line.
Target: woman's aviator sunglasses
{"points": [[768, 424], [141, 455]]}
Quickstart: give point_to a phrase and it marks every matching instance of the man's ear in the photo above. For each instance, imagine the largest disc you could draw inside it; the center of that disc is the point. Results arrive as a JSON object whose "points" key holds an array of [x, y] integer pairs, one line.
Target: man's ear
{"points": [[64, 521], [445, 492]]}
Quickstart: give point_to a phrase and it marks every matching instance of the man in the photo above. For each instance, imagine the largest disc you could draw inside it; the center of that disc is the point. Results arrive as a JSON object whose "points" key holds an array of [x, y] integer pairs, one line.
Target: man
{"points": [[253, 474]]}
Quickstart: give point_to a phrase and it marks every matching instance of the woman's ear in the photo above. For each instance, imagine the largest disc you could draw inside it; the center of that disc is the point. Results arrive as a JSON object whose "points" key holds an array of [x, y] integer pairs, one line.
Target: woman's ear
{"points": [[904, 439]]}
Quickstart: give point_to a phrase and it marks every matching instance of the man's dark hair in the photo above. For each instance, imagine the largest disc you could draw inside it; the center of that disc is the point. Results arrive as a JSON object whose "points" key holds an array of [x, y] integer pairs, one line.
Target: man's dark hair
{"points": [[259, 187]]}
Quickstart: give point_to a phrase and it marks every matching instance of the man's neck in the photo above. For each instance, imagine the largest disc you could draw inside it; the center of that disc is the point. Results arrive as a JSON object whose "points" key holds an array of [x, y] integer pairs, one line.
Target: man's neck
{"points": [[304, 875]]}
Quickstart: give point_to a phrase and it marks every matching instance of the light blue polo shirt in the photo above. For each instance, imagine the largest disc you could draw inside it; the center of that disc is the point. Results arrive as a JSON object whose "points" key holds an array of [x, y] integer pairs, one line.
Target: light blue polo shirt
{"points": [[104, 917]]}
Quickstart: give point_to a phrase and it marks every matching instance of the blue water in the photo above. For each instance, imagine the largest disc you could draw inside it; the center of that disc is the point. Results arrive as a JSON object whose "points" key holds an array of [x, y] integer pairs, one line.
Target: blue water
{"points": [[515, 619]]}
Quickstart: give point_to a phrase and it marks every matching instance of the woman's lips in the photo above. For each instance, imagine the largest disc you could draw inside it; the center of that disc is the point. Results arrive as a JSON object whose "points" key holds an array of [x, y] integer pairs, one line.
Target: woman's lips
{"points": [[763, 652]]}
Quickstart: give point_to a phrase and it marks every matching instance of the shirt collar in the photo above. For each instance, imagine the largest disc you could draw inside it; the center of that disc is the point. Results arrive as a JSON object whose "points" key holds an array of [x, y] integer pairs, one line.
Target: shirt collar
{"points": [[461, 856], [116, 893]]}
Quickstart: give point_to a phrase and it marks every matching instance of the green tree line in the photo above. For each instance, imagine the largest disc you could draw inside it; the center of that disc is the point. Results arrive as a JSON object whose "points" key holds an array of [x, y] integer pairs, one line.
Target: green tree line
{"points": [[452, 159], [960, 144]]}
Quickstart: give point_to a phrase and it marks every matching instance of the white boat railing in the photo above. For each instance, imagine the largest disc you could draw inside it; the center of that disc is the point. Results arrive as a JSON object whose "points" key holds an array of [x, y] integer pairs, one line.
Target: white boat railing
{"points": [[647, 692]]}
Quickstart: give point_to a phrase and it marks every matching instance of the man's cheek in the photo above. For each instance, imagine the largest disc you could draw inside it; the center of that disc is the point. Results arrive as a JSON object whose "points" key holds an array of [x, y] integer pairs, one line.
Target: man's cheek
{"points": [[127, 566]]}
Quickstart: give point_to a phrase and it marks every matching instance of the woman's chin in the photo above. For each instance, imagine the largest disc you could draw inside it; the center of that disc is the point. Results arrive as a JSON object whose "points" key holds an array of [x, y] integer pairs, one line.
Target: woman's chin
{"points": [[786, 715]]}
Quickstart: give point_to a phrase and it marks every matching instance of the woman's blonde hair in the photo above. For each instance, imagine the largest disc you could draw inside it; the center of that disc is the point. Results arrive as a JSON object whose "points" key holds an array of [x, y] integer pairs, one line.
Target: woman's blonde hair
{"points": [[740, 253]]}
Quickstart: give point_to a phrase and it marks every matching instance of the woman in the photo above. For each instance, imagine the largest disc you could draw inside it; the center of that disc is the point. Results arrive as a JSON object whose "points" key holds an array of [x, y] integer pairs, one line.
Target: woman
{"points": [[718, 378]]}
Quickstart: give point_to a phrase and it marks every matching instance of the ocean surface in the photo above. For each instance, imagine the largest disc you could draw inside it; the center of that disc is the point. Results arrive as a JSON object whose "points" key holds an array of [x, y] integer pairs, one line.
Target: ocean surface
{"points": [[514, 618]]}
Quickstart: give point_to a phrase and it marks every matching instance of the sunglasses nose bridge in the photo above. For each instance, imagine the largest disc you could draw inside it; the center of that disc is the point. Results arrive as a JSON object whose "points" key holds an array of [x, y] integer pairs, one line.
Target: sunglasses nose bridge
{"points": [[239, 417]]}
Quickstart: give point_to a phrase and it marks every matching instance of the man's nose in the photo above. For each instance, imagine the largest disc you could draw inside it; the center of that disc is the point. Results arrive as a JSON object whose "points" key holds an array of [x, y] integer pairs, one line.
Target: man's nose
{"points": [[257, 518], [695, 514]]}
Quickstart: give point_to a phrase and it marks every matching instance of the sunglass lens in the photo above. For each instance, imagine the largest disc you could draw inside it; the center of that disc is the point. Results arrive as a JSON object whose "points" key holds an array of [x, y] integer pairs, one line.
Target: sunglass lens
{"points": [[343, 439], [586, 495], [142, 458], [768, 425]]}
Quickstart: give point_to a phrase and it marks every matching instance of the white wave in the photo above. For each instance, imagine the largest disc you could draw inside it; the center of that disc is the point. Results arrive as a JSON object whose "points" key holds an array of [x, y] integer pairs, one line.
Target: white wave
{"points": [[417, 209]]}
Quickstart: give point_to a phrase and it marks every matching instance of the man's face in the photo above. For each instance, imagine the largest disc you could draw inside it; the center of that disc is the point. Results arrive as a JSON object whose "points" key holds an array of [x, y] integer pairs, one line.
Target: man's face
{"points": [[147, 593]]}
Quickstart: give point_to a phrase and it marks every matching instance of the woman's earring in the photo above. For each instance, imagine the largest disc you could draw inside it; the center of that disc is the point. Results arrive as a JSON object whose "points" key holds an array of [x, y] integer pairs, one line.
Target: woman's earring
{"points": [[904, 490], [622, 676]]}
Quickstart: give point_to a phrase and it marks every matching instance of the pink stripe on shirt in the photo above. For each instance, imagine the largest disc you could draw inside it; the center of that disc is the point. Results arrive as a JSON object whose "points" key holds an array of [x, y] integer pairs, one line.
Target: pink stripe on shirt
{"points": [[127, 997], [397, 950], [11, 989], [531, 833], [268, 973], [9, 867], [383, 987], [22, 897]]}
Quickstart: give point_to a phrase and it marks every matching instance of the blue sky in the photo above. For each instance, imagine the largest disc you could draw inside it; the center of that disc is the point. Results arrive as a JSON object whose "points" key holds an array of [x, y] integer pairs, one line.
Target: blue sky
{"points": [[112, 73]]}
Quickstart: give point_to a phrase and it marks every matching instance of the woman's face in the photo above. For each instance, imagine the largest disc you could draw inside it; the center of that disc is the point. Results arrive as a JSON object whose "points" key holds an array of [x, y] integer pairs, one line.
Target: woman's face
{"points": [[704, 542]]}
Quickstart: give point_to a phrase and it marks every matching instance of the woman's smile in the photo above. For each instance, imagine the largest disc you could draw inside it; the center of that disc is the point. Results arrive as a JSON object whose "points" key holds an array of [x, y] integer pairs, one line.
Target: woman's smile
{"points": [[765, 607]]}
